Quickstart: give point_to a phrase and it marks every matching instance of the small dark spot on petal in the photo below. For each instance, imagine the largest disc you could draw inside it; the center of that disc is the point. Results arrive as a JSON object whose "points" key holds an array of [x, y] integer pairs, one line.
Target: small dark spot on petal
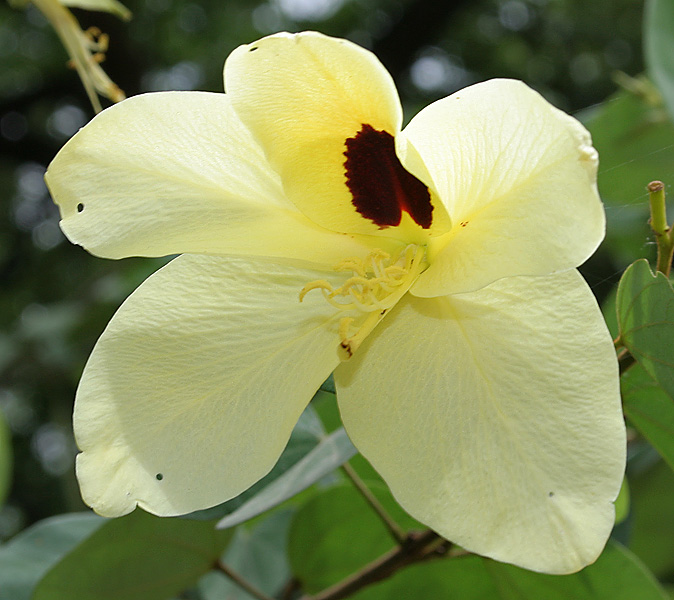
{"points": [[80, 207], [463, 223], [551, 494], [159, 476], [253, 49]]}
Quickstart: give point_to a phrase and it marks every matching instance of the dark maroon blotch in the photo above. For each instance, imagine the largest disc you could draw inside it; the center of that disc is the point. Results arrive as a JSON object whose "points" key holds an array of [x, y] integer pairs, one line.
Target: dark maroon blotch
{"points": [[380, 186]]}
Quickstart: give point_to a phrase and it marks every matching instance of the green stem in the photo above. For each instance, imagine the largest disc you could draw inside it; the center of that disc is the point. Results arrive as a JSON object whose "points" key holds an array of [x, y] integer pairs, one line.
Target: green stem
{"points": [[241, 582], [664, 235], [397, 532]]}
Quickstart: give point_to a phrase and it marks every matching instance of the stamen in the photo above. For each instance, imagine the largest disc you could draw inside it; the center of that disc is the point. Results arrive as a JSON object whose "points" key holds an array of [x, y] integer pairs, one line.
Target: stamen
{"points": [[378, 282]]}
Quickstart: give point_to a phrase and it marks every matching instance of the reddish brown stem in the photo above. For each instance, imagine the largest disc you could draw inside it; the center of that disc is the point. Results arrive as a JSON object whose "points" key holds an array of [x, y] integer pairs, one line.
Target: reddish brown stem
{"points": [[417, 547]]}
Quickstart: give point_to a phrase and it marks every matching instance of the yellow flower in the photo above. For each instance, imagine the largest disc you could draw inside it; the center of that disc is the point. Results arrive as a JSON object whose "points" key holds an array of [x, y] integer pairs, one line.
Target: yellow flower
{"points": [[436, 268]]}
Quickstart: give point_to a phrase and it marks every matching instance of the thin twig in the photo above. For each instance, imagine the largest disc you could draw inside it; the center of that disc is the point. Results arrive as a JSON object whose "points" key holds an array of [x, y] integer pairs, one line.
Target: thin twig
{"points": [[241, 582], [418, 547], [625, 360], [290, 588], [397, 532]]}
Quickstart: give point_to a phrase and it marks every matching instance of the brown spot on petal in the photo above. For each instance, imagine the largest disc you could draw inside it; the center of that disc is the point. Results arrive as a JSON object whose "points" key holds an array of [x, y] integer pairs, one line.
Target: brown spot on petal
{"points": [[380, 186]]}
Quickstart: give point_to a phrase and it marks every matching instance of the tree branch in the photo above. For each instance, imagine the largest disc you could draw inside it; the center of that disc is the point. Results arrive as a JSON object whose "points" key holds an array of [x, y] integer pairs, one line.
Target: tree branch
{"points": [[417, 547], [241, 582]]}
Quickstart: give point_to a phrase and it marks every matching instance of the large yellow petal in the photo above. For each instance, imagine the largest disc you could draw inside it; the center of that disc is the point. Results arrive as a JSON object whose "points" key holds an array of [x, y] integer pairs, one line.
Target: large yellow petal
{"points": [[175, 172], [192, 391], [495, 418], [518, 178], [303, 96]]}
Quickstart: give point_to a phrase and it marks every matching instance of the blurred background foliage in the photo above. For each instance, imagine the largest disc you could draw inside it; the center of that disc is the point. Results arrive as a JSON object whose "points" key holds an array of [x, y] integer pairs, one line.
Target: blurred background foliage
{"points": [[55, 299]]}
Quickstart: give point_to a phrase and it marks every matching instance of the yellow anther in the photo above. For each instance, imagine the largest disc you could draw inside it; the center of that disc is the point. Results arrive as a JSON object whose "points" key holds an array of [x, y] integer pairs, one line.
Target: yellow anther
{"points": [[352, 264], [319, 284], [377, 284]]}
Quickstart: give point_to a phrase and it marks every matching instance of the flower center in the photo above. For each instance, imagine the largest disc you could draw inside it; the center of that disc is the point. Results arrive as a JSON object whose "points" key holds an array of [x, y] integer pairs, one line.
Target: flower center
{"points": [[378, 282]]}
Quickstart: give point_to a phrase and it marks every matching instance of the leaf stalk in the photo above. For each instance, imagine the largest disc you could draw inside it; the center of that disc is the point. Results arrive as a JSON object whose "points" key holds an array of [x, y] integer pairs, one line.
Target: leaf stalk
{"points": [[418, 547], [664, 234]]}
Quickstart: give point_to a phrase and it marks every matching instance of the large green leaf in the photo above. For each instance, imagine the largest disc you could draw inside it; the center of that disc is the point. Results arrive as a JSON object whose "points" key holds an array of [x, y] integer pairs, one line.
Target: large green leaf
{"points": [[332, 452], [258, 555], [633, 136], [617, 575], [659, 47], [650, 409], [622, 502], [336, 532], [645, 306], [5, 459], [136, 557], [652, 518], [26, 558]]}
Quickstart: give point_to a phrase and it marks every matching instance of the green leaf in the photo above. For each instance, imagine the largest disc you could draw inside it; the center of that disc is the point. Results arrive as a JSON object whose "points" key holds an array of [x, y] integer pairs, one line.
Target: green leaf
{"points": [[617, 575], [26, 558], [109, 6], [136, 557], [622, 503], [258, 555], [650, 409], [645, 306], [330, 453], [336, 533], [652, 518], [308, 433], [659, 47], [633, 136], [325, 404], [328, 385], [5, 459]]}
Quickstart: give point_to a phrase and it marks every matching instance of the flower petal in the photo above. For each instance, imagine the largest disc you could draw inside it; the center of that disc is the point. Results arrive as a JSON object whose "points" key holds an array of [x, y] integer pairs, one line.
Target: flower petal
{"points": [[174, 172], [192, 391], [303, 96], [495, 418], [518, 179]]}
